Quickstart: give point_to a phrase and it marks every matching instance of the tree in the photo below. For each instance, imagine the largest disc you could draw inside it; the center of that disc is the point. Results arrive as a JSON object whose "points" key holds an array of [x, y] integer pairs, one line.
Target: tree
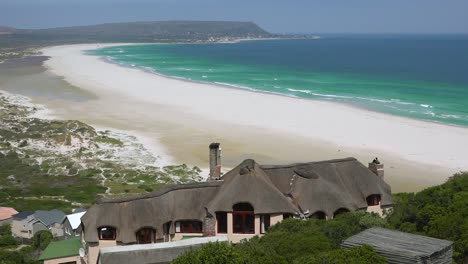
{"points": [[5, 230], [253, 251], [439, 211], [292, 238], [6, 238], [41, 240], [16, 257]]}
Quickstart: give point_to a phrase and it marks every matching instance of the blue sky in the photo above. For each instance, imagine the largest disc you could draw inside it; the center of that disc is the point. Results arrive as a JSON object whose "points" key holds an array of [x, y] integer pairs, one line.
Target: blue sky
{"points": [[279, 16]]}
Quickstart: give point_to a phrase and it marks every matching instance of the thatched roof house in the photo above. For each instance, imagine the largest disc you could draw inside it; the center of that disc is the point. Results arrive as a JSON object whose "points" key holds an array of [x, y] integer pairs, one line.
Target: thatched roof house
{"points": [[327, 186], [185, 201], [242, 203]]}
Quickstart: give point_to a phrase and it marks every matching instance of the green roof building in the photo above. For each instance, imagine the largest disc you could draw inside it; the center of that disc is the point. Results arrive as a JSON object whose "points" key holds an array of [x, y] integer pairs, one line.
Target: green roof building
{"points": [[64, 251]]}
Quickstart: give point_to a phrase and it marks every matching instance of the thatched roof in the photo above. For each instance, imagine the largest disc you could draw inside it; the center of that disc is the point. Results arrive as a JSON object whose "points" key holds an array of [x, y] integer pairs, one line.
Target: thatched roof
{"points": [[325, 186], [248, 183], [128, 215], [400, 247], [329, 185]]}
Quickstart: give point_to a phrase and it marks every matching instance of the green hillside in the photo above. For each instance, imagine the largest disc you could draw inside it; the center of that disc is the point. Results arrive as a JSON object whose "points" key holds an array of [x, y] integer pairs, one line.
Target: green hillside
{"points": [[162, 31]]}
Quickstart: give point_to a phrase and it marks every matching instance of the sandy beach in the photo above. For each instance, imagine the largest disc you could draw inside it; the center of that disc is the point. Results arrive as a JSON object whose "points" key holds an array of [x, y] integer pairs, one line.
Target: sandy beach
{"points": [[180, 118]]}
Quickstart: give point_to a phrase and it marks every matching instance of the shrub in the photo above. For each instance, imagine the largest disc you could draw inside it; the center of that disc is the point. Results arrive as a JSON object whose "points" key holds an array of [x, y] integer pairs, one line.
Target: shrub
{"points": [[41, 240], [211, 253], [356, 255]]}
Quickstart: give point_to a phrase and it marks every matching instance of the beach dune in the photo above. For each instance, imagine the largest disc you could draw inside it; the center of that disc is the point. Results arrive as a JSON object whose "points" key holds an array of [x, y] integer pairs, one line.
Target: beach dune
{"points": [[186, 116]]}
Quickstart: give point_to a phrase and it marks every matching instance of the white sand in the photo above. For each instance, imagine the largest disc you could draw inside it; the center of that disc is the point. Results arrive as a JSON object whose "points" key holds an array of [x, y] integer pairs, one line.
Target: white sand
{"points": [[198, 104]]}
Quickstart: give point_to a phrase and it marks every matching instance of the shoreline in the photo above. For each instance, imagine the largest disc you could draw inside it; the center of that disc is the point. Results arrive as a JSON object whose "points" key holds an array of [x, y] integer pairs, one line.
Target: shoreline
{"points": [[404, 165], [248, 89]]}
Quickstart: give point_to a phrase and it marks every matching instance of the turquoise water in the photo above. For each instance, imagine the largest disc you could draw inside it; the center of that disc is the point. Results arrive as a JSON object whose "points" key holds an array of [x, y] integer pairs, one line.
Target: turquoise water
{"points": [[422, 77]]}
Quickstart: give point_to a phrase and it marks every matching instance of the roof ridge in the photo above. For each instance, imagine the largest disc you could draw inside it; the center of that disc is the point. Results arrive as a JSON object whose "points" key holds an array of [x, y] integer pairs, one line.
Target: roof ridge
{"points": [[159, 192], [308, 163]]}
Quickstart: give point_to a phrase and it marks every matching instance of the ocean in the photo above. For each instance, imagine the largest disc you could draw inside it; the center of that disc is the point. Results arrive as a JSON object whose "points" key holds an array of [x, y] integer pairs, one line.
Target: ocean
{"points": [[418, 76]]}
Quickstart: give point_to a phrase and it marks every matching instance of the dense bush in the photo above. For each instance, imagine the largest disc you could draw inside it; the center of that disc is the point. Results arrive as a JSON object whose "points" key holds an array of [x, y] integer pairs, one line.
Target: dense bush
{"points": [[41, 240], [15, 257], [253, 251], [357, 255], [6, 239], [346, 225], [440, 211], [10, 256], [294, 240], [211, 253]]}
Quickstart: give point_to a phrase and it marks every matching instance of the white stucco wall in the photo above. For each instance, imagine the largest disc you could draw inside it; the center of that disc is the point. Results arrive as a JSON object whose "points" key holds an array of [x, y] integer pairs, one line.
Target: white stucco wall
{"points": [[65, 260], [93, 249]]}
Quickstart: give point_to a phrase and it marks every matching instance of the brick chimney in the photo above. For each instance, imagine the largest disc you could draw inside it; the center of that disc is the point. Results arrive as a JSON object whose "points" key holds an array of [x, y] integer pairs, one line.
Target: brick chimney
{"points": [[377, 168], [215, 161], [209, 227]]}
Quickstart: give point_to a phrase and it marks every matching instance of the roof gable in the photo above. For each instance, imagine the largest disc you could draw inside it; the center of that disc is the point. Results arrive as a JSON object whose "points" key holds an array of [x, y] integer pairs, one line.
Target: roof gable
{"points": [[128, 214], [329, 185], [22, 215], [75, 219], [50, 217], [249, 183]]}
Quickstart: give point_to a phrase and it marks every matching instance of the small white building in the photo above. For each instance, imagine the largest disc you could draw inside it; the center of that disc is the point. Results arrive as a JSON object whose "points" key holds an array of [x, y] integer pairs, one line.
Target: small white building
{"points": [[72, 225]]}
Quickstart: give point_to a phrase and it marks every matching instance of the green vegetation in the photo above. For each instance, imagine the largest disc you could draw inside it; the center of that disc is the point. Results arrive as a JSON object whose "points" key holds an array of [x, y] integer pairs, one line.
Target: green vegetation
{"points": [[6, 238], [296, 241], [108, 140], [356, 255], [440, 211], [9, 254], [35, 175], [61, 164], [14, 43], [163, 31], [211, 253], [41, 240], [28, 187]]}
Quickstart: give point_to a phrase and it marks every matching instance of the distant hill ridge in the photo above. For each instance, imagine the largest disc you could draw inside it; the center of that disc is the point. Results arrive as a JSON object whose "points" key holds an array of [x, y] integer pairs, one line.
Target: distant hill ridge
{"points": [[155, 31], [6, 30]]}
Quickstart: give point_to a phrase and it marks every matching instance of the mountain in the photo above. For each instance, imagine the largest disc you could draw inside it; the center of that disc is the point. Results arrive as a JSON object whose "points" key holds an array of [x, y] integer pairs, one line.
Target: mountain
{"points": [[162, 31]]}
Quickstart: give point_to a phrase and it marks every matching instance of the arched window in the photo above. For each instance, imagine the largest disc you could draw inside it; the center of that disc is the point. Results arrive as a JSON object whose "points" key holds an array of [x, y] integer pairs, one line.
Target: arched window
{"points": [[340, 211], [243, 218], [318, 215], [373, 200], [107, 233], [189, 226], [146, 236]]}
